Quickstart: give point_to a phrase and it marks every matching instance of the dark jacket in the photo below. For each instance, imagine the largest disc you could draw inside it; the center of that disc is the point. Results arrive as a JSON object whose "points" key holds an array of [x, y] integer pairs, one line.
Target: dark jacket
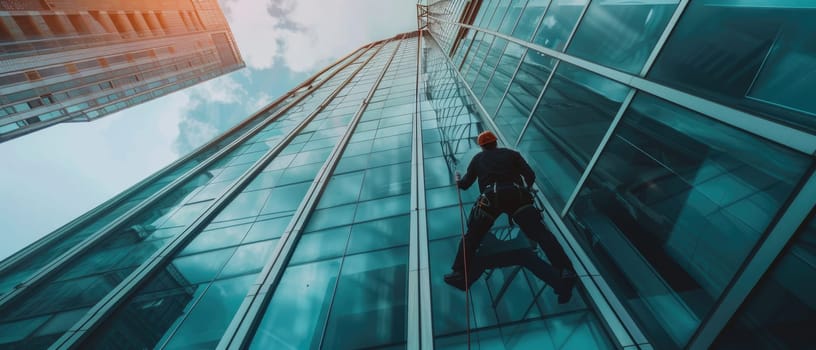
{"points": [[498, 165]]}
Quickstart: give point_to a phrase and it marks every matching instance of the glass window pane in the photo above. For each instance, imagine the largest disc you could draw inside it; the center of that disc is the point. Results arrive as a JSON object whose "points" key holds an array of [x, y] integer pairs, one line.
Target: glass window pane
{"points": [[331, 217], [267, 229], [558, 22], [781, 310], [286, 198], [530, 18], [567, 127], [305, 291], [320, 245], [504, 71], [379, 234], [381, 208], [248, 258], [521, 96], [244, 205], [206, 323], [490, 62], [621, 33], [217, 238], [202, 267], [370, 303], [495, 21], [386, 181], [512, 17], [754, 55], [674, 206]]}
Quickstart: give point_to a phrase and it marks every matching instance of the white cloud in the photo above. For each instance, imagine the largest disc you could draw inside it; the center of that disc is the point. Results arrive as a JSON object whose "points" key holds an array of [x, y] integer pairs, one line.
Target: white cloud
{"points": [[256, 103], [335, 28], [254, 31], [223, 89], [307, 34]]}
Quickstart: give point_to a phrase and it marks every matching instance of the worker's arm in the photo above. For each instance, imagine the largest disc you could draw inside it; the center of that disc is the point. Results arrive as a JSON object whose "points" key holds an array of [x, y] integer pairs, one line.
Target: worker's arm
{"points": [[525, 170], [470, 175]]}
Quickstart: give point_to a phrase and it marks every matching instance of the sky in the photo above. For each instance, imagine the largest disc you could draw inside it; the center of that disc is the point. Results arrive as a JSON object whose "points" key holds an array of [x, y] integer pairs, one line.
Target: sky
{"points": [[55, 175]]}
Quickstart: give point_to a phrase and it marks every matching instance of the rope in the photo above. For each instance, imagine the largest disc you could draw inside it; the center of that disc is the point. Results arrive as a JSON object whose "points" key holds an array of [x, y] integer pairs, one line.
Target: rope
{"points": [[464, 255]]}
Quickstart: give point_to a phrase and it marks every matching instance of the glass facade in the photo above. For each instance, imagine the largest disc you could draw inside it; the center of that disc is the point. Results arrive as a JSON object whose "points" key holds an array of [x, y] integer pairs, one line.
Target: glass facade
{"points": [[674, 148], [329, 219], [69, 61]]}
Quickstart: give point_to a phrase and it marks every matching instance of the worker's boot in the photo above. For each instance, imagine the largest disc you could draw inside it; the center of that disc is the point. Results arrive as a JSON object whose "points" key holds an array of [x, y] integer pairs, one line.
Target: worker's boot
{"points": [[456, 279], [568, 280]]}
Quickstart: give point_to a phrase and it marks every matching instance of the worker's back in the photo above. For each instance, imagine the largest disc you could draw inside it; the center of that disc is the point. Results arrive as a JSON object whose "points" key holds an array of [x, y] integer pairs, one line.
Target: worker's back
{"points": [[500, 165]]}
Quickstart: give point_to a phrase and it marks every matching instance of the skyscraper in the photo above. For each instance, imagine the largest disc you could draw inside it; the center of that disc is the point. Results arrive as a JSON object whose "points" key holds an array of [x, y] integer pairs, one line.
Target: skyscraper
{"points": [[74, 61], [327, 219]]}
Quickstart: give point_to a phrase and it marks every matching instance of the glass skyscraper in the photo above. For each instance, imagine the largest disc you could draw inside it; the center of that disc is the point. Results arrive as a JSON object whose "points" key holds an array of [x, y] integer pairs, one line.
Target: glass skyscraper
{"points": [[75, 60], [674, 149]]}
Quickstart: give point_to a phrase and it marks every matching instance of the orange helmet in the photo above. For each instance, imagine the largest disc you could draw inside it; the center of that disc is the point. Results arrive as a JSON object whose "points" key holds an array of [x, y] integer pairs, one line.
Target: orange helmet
{"points": [[485, 138]]}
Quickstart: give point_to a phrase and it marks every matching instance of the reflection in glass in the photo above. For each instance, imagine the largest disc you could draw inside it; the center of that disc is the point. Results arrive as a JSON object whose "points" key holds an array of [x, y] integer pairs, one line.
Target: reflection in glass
{"points": [[305, 291], [206, 323], [781, 310], [567, 127], [753, 55], [521, 96], [486, 71], [621, 33], [672, 209], [530, 17], [497, 84], [558, 22], [370, 302]]}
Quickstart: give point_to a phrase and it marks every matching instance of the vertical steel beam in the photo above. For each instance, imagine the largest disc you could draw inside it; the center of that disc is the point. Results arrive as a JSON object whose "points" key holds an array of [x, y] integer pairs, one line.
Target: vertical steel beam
{"points": [[420, 321]]}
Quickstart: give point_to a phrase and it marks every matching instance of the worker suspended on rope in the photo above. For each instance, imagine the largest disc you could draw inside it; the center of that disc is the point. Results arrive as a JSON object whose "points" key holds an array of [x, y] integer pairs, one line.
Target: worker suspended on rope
{"points": [[502, 174]]}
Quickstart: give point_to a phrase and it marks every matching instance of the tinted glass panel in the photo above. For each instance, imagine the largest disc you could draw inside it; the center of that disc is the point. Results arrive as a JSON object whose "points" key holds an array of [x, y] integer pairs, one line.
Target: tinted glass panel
{"points": [[567, 127], [530, 18], [751, 54], [674, 206], [558, 22], [781, 310], [621, 33]]}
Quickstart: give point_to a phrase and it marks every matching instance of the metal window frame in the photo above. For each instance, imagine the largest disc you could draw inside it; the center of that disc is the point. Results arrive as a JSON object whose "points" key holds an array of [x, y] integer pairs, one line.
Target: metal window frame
{"points": [[249, 315], [615, 319], [420, 315], [105, 307]]}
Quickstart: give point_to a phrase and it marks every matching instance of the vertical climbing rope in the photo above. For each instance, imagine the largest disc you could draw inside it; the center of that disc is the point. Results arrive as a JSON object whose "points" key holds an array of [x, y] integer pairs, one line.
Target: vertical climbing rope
{"points": [[464, 255]]}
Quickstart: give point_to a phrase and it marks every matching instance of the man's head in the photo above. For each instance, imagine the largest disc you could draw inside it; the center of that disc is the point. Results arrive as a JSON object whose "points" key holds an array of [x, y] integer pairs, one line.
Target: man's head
{"points": [[487, 140]]}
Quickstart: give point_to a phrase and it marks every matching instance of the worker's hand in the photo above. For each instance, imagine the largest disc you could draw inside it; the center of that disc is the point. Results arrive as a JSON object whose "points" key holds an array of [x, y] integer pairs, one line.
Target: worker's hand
{"points": [[457, 176]]}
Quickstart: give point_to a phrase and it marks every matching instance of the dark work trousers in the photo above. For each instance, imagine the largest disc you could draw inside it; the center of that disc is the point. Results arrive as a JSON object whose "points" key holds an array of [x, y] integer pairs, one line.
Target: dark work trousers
{"points": [[526, 258], [518, 204]]}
